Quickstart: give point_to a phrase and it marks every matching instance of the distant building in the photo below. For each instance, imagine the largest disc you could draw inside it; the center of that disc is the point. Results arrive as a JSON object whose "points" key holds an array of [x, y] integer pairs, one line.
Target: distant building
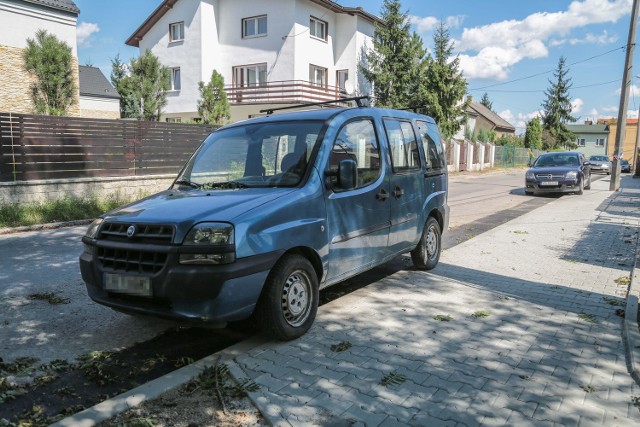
{"points": [[629, 140], [20, 20], [270, 53], [98, 98], [592, 139], [480, 117]]}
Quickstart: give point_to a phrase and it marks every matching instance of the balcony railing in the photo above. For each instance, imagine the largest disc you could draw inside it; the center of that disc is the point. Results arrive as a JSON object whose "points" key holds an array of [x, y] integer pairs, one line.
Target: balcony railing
{"points": [[284, 92]]}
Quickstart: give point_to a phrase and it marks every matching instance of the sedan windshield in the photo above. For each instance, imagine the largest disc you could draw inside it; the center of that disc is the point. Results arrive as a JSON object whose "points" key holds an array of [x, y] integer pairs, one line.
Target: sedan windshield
{"points": [[254, 155], [557, 159], [599, 159]]}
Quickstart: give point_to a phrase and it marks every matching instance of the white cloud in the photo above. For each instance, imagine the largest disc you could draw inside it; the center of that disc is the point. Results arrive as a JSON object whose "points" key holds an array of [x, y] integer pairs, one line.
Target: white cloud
{"points": [[519, 36], [425, 24], [611, 109], [576, 105], [520, 120], [603, 38], [84, 32], [429, 23], [634, 90]]}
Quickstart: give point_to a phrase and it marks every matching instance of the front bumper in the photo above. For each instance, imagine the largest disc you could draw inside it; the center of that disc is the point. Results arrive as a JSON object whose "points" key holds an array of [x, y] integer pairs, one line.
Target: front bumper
{"points": [[200, 293], [600, 168], [563, 186]]}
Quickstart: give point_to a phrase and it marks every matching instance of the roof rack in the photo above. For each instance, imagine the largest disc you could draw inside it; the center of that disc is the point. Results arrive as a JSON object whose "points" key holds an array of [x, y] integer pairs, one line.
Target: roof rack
{"points": [[358, 100]]}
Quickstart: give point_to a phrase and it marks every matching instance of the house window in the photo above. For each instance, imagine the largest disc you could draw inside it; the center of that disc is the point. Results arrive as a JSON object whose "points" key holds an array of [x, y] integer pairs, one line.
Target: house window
{"points": [[175, 78], [341, 78], [318, 76], [250, 75], [581, 142], [174, 120], [176, 31], [600, 142], [318, 28], [254, 27]]}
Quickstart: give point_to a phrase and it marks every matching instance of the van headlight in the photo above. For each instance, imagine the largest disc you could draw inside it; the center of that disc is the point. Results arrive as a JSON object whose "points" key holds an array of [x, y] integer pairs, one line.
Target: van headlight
{"points": [[94, 227], [210, 234]]}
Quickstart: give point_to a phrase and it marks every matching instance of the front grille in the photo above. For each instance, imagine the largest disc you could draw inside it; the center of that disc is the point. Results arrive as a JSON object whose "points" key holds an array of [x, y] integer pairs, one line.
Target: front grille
{"points": [[144, 233], [131, 261], [550, 177]]}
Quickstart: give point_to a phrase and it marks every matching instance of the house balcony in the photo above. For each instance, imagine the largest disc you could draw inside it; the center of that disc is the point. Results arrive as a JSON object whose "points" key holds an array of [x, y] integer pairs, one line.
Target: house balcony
{"points": [[283, 92]]}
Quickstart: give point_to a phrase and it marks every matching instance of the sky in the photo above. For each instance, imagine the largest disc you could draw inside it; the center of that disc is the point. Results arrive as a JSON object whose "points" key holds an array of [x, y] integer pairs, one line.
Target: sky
{"points": [[507, 48]]}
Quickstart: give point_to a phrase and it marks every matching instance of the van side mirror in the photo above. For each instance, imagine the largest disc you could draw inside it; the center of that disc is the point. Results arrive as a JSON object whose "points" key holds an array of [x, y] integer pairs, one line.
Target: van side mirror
{"points": [[347, 174]]}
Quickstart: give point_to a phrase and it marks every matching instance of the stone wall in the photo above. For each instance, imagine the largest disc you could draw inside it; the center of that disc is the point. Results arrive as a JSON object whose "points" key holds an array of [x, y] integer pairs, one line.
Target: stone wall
{"points": [[49, 190], [100, 114], [15, 93]]}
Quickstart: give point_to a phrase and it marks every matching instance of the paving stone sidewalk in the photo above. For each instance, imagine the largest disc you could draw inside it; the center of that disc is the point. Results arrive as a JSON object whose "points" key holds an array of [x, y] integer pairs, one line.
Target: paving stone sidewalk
{"points": [[516, 326]]}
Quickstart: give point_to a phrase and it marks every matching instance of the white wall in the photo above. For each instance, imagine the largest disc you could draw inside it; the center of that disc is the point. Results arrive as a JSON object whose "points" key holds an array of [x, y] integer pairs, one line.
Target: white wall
{"points": [[184, 54], [213, 40], [101, 104], [20, 21]]}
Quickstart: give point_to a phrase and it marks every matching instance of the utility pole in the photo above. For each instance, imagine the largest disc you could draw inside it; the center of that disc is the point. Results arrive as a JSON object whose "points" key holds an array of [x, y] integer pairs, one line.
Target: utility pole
{"points": [[624, 99]]}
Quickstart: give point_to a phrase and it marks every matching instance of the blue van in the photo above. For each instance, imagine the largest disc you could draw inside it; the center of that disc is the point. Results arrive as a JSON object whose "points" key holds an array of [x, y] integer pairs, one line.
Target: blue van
{"points": [[269, 211]]}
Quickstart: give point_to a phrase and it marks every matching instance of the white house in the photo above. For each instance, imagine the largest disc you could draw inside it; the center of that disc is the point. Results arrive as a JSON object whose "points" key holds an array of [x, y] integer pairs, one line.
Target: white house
{"points": [[98, 98], [21, 20], [268, 51]]}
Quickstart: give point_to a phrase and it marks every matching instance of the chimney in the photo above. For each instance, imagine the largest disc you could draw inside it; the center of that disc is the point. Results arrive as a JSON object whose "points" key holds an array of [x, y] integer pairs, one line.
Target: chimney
{"points": [[588, 122], [470, 98]]}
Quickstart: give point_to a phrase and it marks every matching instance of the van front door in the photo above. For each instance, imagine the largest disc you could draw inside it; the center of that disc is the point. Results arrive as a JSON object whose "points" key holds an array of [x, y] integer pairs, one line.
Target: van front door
{"points": [[358, 218]]}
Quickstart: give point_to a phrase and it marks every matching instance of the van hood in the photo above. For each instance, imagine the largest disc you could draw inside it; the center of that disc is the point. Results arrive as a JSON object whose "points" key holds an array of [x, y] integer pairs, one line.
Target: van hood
{"points": [[193, 206]]}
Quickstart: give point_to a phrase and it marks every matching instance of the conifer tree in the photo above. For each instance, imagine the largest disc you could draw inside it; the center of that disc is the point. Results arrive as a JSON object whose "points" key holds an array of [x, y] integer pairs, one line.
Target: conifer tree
{"points": [[486, 101], [142, 85], [443, 87], [50, 62], [213, 105], [557, 107], [394, 63]]}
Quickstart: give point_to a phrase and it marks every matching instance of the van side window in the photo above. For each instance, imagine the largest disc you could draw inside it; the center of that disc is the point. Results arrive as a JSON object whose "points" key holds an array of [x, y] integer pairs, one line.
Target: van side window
{"points": [[357, 141], [433, 152], [403, 145]]}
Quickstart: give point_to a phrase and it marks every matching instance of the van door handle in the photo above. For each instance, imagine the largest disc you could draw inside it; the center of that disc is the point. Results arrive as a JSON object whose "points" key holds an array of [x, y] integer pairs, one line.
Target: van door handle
{"points": [[398, 193], [382, 195]]}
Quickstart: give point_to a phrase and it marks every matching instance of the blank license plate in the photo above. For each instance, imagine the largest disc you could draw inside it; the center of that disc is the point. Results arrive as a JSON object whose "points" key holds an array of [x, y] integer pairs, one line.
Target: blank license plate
{"points": [[549, 183], [132, 285]]}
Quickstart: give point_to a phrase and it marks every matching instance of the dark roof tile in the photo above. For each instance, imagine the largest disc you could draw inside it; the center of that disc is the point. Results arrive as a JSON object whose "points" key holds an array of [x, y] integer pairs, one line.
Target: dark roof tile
{"points": [[94, 83], [66, 5]]}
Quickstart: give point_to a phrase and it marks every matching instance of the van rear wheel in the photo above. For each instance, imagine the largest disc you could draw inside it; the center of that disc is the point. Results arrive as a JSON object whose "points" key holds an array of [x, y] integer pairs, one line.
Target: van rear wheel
{"points": [[289, 301], [427, 254]]}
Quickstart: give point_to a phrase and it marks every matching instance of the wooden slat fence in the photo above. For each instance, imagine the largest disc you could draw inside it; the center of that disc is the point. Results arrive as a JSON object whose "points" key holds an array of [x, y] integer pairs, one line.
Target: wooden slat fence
{"points": [[45, 147]]}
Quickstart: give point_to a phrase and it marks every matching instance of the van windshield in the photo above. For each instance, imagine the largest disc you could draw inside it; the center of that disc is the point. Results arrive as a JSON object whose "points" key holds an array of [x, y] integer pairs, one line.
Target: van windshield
{"points": [[272, 154]]}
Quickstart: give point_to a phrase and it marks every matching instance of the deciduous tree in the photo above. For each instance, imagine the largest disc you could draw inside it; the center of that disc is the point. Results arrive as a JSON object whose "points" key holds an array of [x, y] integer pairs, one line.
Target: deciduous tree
{"points": [[50, 62], [533, 134]]}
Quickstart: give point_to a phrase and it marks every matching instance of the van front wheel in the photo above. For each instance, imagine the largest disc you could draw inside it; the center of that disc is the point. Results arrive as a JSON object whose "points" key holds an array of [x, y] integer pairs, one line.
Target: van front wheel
{"points": [[289, 301], [427, 254]]}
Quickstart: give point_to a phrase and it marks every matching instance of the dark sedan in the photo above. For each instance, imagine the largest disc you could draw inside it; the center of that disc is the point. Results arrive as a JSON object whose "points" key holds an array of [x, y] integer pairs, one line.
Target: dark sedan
{"points": [[565, 172], [625, 166]]}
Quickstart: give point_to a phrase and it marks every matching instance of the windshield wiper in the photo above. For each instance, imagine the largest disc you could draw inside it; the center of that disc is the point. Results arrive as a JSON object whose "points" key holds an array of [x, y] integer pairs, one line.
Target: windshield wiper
{"points": [[187, 183]]}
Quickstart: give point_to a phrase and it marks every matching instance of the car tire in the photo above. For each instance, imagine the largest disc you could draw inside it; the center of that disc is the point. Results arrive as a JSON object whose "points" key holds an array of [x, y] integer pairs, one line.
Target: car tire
{"points": [[426, 255], [289, 301], [588, 186], [580, 187]]}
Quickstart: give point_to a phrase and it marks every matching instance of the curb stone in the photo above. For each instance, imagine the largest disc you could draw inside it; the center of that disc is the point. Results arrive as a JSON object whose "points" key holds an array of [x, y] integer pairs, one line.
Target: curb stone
{"points": [[49, 226], [111, 407], [631, 330]]}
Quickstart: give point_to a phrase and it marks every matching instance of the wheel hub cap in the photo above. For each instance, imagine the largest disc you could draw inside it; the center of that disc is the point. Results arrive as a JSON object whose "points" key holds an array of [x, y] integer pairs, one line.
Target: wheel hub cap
{"points": [[296, 299], [432, 243]]}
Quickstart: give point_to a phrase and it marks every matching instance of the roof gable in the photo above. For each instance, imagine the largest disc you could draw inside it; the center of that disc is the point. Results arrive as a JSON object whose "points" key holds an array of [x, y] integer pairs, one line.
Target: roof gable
{"points": [[491, 116], [156, 15]]}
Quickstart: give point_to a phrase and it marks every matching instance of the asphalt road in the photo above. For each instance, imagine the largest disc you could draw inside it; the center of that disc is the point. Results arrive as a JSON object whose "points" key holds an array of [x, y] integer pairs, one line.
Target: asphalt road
{"points": [[44, 264]]}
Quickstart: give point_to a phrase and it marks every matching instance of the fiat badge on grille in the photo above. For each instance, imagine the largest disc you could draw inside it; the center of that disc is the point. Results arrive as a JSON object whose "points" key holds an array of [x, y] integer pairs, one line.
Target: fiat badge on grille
{"points": [[131, 231]]}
